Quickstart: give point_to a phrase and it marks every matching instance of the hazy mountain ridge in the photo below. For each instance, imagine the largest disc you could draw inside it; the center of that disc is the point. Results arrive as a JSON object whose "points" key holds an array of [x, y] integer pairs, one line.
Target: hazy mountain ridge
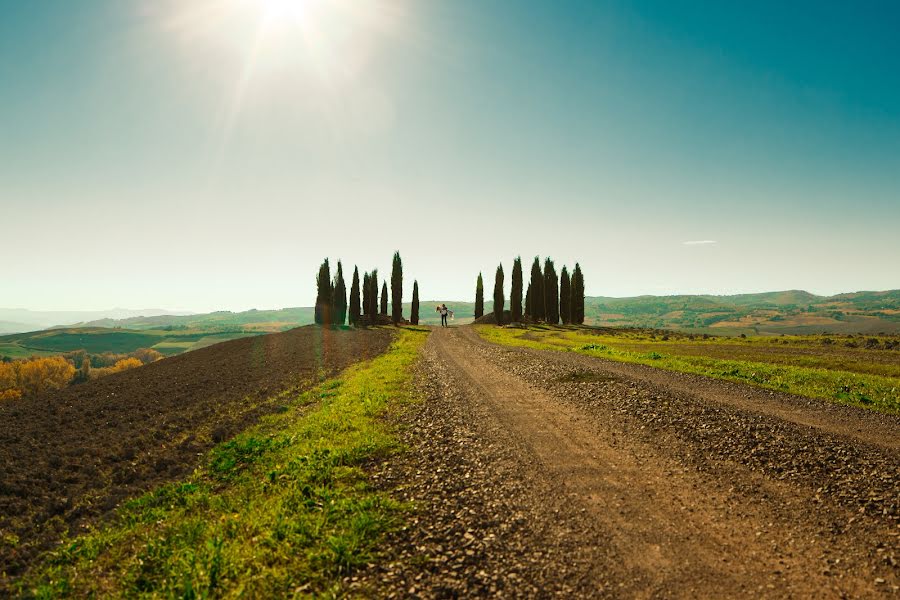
{"points": [[18, 320], [766, 312]]}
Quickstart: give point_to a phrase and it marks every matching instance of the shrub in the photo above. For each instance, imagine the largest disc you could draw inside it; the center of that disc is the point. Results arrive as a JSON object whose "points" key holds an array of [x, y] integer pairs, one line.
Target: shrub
{"points": [[12, 394], [122, 365], [8, 377], [41, 374], [146, 355]]}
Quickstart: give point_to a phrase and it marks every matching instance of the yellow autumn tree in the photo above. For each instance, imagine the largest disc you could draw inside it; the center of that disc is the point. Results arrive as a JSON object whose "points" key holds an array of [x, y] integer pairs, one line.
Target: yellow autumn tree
{"points": [[9, 382], [8, 378], [147, 355], [41, 374], [127, 363], [121, 365]]}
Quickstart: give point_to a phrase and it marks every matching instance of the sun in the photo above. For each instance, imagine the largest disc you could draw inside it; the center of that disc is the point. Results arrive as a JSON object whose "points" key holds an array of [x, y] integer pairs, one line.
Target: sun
{"points": [[281, 10]]}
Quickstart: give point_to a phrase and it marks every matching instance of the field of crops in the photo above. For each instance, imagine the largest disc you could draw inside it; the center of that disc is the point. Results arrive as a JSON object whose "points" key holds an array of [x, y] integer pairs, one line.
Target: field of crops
{"points": [[858, 370], [97, 340]]}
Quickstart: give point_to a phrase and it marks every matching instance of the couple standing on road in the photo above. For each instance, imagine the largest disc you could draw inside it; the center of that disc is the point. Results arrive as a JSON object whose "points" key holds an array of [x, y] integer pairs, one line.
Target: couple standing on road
{"points": [[444, 313]]}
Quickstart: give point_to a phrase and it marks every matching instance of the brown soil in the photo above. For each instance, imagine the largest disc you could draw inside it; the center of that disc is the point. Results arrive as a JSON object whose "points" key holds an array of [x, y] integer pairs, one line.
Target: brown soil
{"points": [[553, 474], [69, 457]]}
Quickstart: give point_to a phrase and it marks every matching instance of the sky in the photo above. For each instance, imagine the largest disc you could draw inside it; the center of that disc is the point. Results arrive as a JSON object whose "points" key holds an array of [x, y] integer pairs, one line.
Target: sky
{"points": [[208, 154]]}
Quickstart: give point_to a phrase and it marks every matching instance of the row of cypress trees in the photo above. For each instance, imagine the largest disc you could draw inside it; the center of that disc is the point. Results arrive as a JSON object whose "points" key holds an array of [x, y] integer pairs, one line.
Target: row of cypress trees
{"points": [[331, 296], [549, 298]]}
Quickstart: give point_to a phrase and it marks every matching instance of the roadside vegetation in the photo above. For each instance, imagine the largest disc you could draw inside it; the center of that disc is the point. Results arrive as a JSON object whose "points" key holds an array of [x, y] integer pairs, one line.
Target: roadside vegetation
{"points": [[282, 509], [862, 370]]}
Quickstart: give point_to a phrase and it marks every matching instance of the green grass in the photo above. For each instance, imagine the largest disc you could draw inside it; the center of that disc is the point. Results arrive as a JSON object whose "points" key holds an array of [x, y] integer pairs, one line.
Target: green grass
{"points": [[798, 367], [284, 509], [14, 351]]}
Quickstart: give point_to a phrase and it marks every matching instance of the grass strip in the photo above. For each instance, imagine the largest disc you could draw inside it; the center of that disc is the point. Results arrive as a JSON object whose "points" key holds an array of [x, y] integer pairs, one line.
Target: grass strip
{"points": [[281, 510], [857, 389]]}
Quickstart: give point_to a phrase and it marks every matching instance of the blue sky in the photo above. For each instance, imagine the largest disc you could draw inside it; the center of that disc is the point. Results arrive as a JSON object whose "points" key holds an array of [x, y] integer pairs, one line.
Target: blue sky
{"points": [[206, 154]]}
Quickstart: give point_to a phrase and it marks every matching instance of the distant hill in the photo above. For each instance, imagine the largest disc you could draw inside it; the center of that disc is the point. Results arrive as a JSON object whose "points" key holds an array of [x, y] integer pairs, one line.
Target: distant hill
{"points": [[769, 313], [249, 320], [17, 320], [792, 311], [97, 340]]}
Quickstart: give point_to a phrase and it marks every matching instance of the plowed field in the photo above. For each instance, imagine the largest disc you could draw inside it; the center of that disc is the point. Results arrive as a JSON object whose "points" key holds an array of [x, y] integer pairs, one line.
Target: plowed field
{"points": [[69, 457]]}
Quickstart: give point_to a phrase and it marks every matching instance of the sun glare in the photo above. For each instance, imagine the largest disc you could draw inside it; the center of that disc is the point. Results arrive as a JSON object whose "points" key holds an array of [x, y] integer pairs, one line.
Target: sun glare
{"points": [[318, 51], [280, 10]]}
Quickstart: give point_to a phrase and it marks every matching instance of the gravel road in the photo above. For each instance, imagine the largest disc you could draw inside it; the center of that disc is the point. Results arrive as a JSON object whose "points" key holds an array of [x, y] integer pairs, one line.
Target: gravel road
{"points": [[540, 474]]}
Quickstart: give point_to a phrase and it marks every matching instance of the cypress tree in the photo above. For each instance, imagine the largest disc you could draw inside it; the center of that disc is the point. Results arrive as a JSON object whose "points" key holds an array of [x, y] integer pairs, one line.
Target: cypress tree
{"points": [[479, 297], [397, 289], [354, 298], [499, 300], [577, 296], [373, 296], [551, 292], [366, 290], [383, 299], [528, 302], [565, 297], [340, 297], [414, 310], [324, 295], [538, 310], [515, 294]]}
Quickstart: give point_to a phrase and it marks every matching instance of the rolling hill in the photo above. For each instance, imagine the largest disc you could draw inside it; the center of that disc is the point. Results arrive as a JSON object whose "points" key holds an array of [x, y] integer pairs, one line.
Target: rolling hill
{"points": [[792, 311], [769, 313], [97, 340], [17, 320]]}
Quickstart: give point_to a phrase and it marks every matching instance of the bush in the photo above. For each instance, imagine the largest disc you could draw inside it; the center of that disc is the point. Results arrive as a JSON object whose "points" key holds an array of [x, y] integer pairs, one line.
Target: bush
{"points": [[122, 365], [41, 374], [146, 355], [12, 394]]}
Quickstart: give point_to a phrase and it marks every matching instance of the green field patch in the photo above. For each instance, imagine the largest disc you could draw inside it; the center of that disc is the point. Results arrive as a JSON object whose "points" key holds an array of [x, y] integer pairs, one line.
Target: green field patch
{"points": [[16, 351], [209, 340], [814, 369], [172, 348], [98, 340], [118, 342], [282, 510]]}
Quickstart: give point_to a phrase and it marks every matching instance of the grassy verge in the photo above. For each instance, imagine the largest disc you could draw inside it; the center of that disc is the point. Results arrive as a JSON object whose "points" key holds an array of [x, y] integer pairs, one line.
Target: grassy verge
{"points": [[849, 387], [283, 509]]}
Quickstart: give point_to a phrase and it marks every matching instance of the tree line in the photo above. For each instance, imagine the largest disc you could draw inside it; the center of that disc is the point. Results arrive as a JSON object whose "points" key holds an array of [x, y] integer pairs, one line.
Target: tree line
{"points": [[364, 306], [35, 375], [549, 297]]}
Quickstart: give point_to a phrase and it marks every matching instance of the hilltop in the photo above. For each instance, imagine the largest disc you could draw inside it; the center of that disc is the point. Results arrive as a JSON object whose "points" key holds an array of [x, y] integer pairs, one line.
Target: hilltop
{"points": [[18, 320], [792, 311]]}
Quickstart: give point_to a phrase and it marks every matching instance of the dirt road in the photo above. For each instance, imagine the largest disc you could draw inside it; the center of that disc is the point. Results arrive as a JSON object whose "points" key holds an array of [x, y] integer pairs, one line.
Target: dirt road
{"points": [[542, 473]]}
